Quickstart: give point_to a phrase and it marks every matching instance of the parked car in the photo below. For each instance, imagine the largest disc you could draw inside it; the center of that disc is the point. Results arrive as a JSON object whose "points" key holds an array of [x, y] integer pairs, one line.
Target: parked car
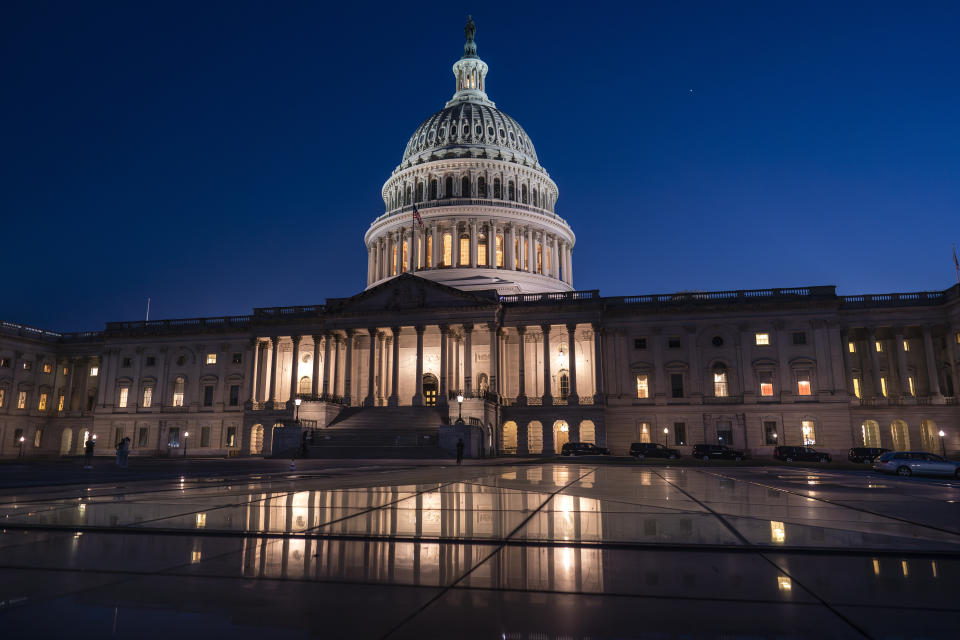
{"points": [[583, 449], [865, 454], [908, 463], [640, 450], [716, 451], [800, 454]]}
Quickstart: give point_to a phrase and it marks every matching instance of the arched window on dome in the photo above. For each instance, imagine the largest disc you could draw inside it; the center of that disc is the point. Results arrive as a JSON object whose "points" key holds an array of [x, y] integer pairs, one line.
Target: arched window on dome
{"points": [[404, 262], [539, 258], [419, 192], [500, 250], [496, 189], [535, 203], [523, 194], [447, 250], [448, 187], [511, 191], [481, 187], [481, 249], [430, 251], [464, 250], [465, 187], [548, 259], [393, 261], [433, 189]]}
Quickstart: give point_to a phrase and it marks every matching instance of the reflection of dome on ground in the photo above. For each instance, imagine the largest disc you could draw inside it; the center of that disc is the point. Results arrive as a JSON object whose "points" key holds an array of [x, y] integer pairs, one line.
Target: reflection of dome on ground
{"points": [[487, 207]]}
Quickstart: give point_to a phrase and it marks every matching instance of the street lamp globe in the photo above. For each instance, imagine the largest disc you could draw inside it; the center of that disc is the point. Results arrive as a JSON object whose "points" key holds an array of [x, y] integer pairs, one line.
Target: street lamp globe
{"points": [[459, 397], [942, 433], [298, 401]]}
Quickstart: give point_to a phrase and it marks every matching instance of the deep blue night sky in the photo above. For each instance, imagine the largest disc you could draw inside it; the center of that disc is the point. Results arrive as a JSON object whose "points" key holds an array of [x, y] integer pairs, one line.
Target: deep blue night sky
{"points": [[222, 156]]}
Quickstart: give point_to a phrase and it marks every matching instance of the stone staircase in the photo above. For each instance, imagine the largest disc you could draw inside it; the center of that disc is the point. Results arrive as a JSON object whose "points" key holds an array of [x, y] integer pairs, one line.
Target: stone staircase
{"points": [[380, 432]]}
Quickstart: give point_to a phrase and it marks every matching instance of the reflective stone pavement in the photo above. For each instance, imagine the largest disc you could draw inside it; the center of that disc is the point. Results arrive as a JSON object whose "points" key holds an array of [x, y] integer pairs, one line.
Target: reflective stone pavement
{"points": [[528, 551]]}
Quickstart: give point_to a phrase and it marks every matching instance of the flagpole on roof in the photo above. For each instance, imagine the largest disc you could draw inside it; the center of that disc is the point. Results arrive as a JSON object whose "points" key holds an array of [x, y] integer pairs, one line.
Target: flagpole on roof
{"points": [[956, 264]]}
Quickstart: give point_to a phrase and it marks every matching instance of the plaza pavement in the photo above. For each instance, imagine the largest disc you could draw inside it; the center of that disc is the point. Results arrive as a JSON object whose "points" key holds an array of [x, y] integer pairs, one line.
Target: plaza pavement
{"points": [[490, 549]]}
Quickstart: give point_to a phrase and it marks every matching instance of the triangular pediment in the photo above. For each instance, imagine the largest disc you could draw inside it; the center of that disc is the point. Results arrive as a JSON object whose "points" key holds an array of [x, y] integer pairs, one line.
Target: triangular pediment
{"points": [[410, 292]]}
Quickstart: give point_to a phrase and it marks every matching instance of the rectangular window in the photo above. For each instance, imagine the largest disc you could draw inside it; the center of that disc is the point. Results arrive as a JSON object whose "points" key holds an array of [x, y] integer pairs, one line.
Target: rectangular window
{"points": [[143, 436], [148, 397], [958, 337], [725, 433], [234, 395], [883, 386], [639, 343], [645, 429], [762, 339], [799, 337], [22, 400], [237, 358], [679, 433], [4, 363], [720, 387], [3, 396], [429, 252], [124, 394], [803, 384], [151, 361], [42, 405], [419, 253], [204, 436], [231, 436], [208, 396], [482, 254], [906, 345], [808, 433], [60, 401], [446, 249], [211, 358], [173, 437], [37, 437], [27, 365], [676, 385], [94, 372], [47, 367], [464, 251], [404, 260], [913, 386], [673, 343], [766, 384], [643, 385], [856, 387], [852, 346], [126, 362], [118, 435], [879, 346], [66, 370], [770, 432]]}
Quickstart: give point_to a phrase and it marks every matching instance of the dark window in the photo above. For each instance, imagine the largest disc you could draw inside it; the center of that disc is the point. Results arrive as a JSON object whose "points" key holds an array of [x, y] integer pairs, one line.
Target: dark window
{"points": [[142, 438], [181, 360], [770, 432], [481, 182], [676, 385], [496, 188], [419, 192], [208, 396], [673, 343], [725, 433], [717, 341], [231, 436], [91, 402], [204, 436], [237, 358], [234, 395], [465, 187], [799, 337], [173, 439], [5, 363], [433, 189], [511, 191], [679, 433], [118, 435], [151, 361], [639, 343], [27, 365], [448, 188], [126, 362]]}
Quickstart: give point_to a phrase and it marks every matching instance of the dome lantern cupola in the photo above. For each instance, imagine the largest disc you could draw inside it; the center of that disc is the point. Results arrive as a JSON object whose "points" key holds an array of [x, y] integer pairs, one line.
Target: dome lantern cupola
{"points": [[470, 72]]}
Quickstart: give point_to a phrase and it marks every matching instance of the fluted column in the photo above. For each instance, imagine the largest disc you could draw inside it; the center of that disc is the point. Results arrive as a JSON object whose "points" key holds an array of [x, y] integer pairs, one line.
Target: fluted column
{"points": [[902, 365], [554, 258], [348, 369], [522, 389], [574, 397], [371, 368], [494, 359], [437, 245], [874, 362], [442, 392], [275, 343], [473, 243], [931, 364], [253, 351], [531, 252], [547, 391], [294, 386], [395, 377], [455, 244], [418, 394], [326, 365], [315, 376], [336, 364]]}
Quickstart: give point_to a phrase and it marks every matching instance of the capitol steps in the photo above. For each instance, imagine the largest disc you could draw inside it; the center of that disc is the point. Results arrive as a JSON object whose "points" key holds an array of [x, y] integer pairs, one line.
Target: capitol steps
{"points": [[380, 432]]}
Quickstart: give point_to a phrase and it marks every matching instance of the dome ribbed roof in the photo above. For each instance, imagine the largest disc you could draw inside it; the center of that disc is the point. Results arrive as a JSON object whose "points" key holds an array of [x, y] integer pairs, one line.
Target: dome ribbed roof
{"points": [[470, 129]]}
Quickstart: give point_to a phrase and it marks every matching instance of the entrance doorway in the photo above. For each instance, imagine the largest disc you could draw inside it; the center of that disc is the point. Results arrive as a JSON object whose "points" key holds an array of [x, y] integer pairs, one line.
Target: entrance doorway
{"points": [[66, 439], [561, 435], [430, 388]]}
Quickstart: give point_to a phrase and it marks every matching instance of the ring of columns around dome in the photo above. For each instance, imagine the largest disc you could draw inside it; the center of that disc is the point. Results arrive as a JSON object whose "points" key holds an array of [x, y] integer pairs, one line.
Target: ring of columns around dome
{"points": [[470, 206]]}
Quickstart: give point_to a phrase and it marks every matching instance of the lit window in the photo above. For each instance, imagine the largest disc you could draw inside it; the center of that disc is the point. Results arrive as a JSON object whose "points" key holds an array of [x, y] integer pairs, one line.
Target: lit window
{"points": [[808, 432], [763, 339], [419, 253], [720, 387], [766, 385], [482, 250], [958, 337], [211, 358], [60, 403], [22, 400], [464, 250], [37, 436], [178, 386], [852, 347], [405, 260], [42, 405], [784, 583], [803, 385], [4, 363], [913, 386], [539, 258], [430, 251], [148, 397], [3, 396], [856, 387], [643, 385], [447, 250], [66, 371], [393, 261], [906, 345], [47, 367], [499, 250], [27, 365], [124, 394], [94, 372], [879, 346], [883, 386]]}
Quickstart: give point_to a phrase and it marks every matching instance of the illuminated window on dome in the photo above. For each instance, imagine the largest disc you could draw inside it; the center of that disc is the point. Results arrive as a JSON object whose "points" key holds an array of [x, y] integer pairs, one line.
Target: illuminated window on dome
{"points": [[539, 258], [856, 387], [404, 263], [430, 251], [516, 253], [883, 386], [419, 253], [913, 386], [393, 261], [464, 250], [447, 250], [548, 259], [499, 250], [482, 250]]}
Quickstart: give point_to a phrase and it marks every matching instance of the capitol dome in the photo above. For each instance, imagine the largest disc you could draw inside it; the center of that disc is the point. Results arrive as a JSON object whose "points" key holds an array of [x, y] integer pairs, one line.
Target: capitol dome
{"points": [[470, 206]]}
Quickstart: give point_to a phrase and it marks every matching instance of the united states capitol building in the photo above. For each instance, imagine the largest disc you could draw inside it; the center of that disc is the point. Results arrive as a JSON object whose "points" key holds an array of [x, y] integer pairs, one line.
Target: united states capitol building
{"points": [[471, 327]]}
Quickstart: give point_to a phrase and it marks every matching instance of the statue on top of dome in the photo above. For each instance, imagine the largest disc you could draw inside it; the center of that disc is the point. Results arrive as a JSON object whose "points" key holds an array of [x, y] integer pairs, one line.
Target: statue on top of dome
{"points": [[470, 49]]}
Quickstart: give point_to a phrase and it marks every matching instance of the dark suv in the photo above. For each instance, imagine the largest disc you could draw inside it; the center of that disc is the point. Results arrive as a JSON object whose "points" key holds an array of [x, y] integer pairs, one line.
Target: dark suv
{"points": [[865, 454], [716, 451], [640, 450], [583, 449], [800, 454]]}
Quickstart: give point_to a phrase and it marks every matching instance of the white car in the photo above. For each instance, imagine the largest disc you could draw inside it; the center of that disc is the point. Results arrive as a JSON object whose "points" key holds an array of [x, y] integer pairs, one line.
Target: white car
{"points": [[908, 463]]}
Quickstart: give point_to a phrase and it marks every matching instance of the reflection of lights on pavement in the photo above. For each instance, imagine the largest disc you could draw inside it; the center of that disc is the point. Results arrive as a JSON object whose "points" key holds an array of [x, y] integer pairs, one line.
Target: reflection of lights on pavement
{"points": [[567, 559], [783, 583], [905, 568], [195, 557], [201, 520], [876, 566], [933, 567], [778, 532]]}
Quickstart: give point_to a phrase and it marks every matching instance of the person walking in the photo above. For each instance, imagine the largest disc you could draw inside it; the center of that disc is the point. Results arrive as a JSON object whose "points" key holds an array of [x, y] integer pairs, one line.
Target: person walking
{"points": [[124, 452], [459, 450], [88, 452], [119, 457]]}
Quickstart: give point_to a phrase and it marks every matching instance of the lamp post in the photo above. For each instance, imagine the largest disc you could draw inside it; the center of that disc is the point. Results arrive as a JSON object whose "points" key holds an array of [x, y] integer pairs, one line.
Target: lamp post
{"points": [[186, 434], [943, 447], [460, 408], [20, 455], [296, 417], [665, 432]]}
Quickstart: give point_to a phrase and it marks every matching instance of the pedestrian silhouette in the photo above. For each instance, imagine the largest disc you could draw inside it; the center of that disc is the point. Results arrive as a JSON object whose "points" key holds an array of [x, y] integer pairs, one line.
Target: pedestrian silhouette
{"points": [[88, 453], [459, 450]]}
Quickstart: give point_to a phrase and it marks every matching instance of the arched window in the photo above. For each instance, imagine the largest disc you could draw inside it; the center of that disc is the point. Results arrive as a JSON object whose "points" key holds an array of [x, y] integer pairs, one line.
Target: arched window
{"points": [[482, 249], [500, 250], [179, 384], [563, 383], [304, 388], [465, 187], [720, 387], [430, 251], [433, 189], [448, 188], [419, 192], [809, 433], [404, 262], [393, 261], [539, 258], [871, 433], [511, 191], [447, 250], [407, 198], [535, 197], [900, 436], [496, 189], [523, 194], [464, 250], [481, 186], [430, 389]]}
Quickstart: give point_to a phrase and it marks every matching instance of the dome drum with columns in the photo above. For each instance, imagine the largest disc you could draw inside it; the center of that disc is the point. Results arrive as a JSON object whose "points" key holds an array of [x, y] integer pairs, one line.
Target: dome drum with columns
{"points": [[486, 203]]}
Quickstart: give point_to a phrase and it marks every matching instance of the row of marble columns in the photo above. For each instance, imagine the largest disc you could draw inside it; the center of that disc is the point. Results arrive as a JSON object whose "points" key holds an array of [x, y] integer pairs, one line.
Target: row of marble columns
{"points": [[425, 249], [903, 373]]}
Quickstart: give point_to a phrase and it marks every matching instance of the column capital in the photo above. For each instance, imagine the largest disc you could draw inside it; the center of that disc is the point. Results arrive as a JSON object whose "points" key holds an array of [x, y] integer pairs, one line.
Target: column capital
{"points": [[420, 329], [546, 329], [317, 337], [493, 326], [467, 327], [521, 329], [571, 327], [274, 340], [372, 331], [350, 332], [444, 328], [598, 327], [296, 340], [395, 331]]}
